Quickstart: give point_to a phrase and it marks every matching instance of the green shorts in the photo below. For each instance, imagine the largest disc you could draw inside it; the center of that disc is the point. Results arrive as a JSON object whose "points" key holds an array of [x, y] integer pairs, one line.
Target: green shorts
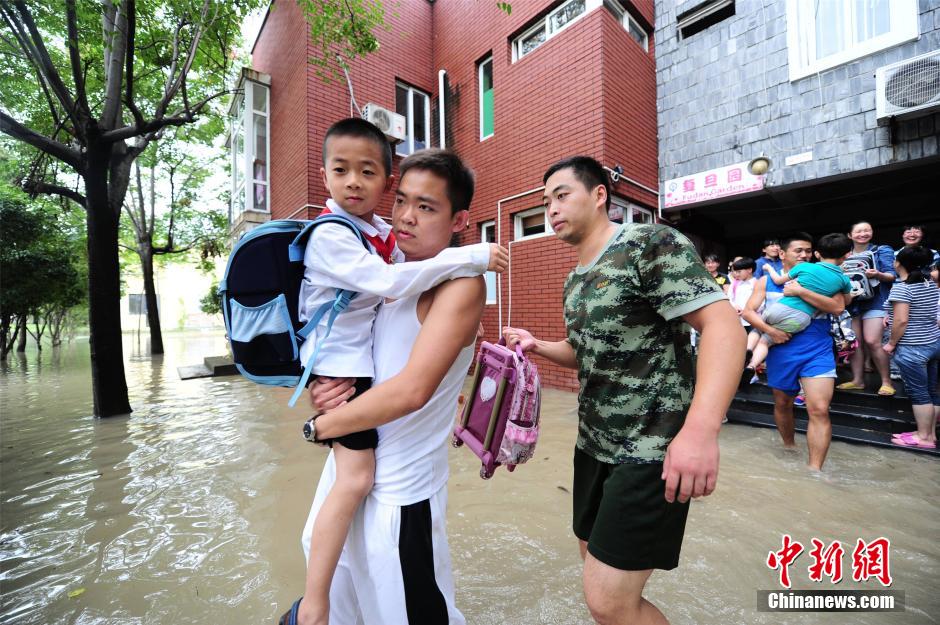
{"points": [[620, 510]]}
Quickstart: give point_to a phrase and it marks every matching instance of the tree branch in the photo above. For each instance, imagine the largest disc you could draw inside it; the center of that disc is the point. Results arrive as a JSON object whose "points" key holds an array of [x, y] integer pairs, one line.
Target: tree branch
{"points": [[15, 129], [178, 118], [41, 60], [114, 75], [129, 66], [38, 187], [74, 54]]}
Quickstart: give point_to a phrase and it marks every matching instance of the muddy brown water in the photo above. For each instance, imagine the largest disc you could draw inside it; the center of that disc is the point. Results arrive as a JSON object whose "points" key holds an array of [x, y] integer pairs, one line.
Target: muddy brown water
{"points": [[190, 509]]}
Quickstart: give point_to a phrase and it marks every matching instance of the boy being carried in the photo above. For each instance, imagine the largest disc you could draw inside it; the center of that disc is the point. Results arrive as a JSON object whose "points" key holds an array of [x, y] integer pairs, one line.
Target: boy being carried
{"points": [[357, 164], [793, 314]]}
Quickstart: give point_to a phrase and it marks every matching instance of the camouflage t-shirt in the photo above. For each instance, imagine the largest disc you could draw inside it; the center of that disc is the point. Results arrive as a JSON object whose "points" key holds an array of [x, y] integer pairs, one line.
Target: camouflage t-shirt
{"points": [[623, 314]]}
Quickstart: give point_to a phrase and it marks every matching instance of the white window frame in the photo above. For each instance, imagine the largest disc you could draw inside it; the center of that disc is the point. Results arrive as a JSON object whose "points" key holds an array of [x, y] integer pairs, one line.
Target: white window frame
{"points": [[628, 207], [409, 143], [489, 276], [545, 22], [625, 20], [801, 36], [517, 224], [244, 126], [487, 61]]}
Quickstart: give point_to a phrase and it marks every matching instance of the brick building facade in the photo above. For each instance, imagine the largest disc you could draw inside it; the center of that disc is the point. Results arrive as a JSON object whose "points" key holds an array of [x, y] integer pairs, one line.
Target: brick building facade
{"points": [[795, 81], [560, 78]]}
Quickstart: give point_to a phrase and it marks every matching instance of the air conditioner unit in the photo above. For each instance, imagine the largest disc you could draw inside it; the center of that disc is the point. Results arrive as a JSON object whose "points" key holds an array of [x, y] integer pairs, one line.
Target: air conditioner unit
{"points": [[909, 88], [392, 124]]}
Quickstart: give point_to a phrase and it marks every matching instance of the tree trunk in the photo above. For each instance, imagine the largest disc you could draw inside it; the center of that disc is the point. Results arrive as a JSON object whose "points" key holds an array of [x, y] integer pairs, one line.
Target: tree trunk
{"points": [[145, 249], [21, 339], [109, 386]]}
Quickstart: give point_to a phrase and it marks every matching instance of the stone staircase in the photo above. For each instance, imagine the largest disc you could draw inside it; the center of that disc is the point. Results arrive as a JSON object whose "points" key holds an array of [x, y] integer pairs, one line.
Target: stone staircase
{"points": [[862, 417]]}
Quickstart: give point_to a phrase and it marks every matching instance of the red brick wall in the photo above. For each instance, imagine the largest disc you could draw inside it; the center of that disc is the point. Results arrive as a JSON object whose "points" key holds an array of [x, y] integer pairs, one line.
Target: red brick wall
{"points": [[281, 53], [588, 90]]}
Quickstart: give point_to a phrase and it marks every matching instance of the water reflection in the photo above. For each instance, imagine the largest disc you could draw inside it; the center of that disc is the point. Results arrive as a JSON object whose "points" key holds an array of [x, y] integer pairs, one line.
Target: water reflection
{"points": [[189, 510]]}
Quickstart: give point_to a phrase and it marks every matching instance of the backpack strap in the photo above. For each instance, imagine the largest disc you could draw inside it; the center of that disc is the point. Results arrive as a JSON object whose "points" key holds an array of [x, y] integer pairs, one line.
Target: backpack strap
{"points": [[338, 305], [299, 245]]}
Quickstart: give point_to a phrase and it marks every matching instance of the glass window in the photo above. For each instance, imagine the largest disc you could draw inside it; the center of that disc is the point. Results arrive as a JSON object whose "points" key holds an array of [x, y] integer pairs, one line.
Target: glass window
{"points": [[415, 106], [250, 149], [624, 211], [486, 98], [821, 35], [565, 15], [488, 235], [541, 31], [532, 223]]}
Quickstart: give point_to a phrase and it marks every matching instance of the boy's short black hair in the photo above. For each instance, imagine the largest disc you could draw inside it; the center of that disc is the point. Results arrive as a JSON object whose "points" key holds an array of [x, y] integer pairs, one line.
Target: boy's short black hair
{"points": [[834, 245], [768, 243], [794, 236], [744, 263], [710, 258], [447, 165], [362, 129], [587, 170]]}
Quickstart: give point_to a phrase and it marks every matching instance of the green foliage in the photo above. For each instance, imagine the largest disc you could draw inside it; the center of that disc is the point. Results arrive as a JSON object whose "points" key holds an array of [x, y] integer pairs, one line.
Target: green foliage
{"points": [[37, 259], [211, 304], [342, 30], [505, 6]]}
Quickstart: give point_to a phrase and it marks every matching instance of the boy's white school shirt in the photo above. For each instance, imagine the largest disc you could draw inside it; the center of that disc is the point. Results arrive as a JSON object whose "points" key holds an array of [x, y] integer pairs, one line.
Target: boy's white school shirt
{"points": [[336, 259]]}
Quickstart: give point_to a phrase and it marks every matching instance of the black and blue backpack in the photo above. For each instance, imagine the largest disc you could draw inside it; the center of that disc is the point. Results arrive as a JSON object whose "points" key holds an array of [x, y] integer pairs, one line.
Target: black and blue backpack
{"points": [[260, 294]]}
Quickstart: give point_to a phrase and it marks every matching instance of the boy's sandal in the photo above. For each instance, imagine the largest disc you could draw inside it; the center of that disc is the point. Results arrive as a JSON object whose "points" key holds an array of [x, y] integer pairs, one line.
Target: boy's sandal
{"points": [[886, 391], [913, 441], [290, 617], [850, 386]]}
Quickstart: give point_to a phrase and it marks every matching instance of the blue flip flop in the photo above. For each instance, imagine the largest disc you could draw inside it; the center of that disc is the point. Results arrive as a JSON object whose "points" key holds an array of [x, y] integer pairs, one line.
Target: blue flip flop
{"points": [[290, 617]]}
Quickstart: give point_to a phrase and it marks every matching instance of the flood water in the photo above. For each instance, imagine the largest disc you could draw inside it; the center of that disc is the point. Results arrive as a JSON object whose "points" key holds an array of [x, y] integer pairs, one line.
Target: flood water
{"points": [[190, 510]]}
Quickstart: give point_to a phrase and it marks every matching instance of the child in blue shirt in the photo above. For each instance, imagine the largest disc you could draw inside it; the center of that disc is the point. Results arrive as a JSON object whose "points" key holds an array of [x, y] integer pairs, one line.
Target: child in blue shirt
{"points": [[793, 314]]}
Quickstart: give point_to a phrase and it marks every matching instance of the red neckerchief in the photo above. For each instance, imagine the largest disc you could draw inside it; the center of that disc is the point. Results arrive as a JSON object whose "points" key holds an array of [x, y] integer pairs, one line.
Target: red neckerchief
{"points": [[382, 248]]}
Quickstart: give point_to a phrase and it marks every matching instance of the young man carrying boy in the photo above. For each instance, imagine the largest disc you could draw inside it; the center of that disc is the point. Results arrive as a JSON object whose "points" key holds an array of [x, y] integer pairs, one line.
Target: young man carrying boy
{"points": [[395, 564], [805, 359], [644, 440], [793, 314], [356, 171]]}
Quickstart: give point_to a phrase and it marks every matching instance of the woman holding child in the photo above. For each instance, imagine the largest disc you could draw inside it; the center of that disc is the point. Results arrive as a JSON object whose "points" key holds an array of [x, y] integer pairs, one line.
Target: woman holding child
{"points": [[915, 342], [868, 315]]}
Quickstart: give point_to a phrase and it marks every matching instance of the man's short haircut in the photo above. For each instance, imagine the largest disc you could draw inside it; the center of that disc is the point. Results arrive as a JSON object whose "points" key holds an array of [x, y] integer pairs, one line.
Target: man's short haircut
{"points": [[794, 236], [587, 170], [361, 129], [447, 165], [744, 263], [768, 243], [710, 258], [835, 245]]}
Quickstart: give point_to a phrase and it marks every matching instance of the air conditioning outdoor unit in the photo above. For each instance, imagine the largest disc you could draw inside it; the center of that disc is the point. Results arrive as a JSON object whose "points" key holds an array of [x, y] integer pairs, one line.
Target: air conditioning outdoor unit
{"points": [[909, 88], [392, 124]]}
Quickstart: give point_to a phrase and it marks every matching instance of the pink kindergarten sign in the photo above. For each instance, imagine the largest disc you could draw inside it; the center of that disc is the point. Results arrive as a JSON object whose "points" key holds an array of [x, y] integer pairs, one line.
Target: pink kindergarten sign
{"points": [[712, 184]]}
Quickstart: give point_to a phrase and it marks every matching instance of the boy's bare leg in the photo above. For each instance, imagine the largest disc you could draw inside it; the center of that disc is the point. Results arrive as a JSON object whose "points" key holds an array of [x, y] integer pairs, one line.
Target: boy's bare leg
{"points": [[355, 472], [759, 355]]}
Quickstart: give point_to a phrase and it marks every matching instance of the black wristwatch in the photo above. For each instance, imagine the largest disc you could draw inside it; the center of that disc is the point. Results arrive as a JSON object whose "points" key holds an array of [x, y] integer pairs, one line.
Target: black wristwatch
{"points": [[310, 429]]}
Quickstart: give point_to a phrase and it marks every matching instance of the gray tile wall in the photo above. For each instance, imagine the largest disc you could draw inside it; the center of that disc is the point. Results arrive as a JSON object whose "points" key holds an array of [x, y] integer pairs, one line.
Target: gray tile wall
{"points": [[724, 96]]}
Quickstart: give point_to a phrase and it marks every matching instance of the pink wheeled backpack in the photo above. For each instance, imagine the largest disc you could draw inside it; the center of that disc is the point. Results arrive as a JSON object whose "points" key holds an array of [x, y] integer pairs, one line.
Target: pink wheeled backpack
{"points": [[500, 420]]}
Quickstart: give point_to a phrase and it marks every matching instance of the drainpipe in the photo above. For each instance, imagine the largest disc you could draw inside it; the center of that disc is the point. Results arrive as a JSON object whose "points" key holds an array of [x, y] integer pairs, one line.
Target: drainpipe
{"points": [[440, 106], [499, 241]]}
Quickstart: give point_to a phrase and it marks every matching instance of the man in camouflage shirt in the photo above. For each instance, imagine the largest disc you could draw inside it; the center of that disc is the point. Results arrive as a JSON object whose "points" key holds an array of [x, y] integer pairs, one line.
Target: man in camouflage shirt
{"points": [[645, 446]]}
